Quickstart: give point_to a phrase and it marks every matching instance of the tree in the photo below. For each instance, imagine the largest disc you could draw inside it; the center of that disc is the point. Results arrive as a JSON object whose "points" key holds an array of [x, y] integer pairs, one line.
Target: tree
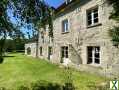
{"points": [[36, 12], [114, 32], [6, 27], [26, 11]]}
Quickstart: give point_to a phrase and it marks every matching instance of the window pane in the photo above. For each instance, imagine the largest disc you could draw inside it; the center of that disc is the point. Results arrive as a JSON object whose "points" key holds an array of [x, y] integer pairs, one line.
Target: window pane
{"points": [[95, 15], [62, 53], [89, 22], [89, 17], [89, 55], [97, 55], [89, 13], [96, 20], [97, 60], [95, 10], [89, 60]]}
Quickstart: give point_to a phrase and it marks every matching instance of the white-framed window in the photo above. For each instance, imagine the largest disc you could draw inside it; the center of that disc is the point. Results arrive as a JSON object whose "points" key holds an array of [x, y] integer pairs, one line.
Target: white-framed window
{"points": [[92, 16], [64, 52], [93, 55], [65, 25]]}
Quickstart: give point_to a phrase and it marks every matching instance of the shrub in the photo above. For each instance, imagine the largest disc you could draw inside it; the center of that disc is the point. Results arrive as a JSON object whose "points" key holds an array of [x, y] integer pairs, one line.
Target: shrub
{"points": [[68, 86], [23, 88], [1, 59]]}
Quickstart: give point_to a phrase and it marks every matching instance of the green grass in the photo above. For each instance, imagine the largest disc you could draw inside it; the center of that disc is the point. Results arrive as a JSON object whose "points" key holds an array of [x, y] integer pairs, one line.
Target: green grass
{"points": [[22, 70]]}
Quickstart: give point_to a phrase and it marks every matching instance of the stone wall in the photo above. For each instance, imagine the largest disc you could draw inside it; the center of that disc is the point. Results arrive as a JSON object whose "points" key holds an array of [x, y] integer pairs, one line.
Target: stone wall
{"points": [[32, 47], [80, 36]]}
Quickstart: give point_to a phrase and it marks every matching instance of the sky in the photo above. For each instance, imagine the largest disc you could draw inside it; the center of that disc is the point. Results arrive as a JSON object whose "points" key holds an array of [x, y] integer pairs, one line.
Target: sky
{"points": [[54, 3]]}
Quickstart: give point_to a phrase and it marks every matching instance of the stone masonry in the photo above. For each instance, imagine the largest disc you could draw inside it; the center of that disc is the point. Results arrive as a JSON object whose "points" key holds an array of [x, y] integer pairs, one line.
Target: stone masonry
{"points": [[80, 36]]}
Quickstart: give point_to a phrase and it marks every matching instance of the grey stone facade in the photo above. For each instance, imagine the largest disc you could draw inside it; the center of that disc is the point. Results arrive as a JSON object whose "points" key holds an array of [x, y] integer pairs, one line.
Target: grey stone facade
{"points": [[30, 49], [80, 36]]}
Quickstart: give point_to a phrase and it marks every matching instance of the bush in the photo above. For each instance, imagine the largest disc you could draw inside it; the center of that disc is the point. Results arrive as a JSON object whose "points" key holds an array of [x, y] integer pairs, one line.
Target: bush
{"points": [[23, 88], [43, 85], [2, 88], [1, 59], [68, 86]]}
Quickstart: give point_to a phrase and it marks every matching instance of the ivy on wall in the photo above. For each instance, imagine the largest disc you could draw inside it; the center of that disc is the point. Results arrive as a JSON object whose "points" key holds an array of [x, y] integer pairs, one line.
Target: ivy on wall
{"points": [[114, 32]]}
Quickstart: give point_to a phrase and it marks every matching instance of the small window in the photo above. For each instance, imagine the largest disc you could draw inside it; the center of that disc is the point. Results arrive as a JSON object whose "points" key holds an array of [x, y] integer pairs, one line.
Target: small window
{"points": [[92, 16], [93, 55], [64, 51], [50, 51], [41, 51], [65, 25]]}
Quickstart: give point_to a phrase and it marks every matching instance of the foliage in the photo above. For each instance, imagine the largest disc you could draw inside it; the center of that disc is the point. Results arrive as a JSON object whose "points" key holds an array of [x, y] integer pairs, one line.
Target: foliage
{"points": [[35, 12], [115, 13], [114, 32]]}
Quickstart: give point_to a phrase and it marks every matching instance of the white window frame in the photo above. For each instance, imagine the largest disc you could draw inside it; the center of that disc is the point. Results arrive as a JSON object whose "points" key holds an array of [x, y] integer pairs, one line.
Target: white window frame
{"points": [[65, 52], [65, 26], [93, 55], [92, 16]]}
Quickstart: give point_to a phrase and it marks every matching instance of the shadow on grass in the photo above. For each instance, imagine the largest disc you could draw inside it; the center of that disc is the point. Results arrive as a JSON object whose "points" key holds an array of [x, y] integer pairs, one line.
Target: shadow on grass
{"points": [[44, 85], [8, 56]]}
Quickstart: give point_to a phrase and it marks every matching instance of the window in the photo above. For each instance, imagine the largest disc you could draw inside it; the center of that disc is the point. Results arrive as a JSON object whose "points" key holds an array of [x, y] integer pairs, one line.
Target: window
{"points": [[64, 52], [65, 25], [93, 55], [28, 50], [50, 50], [41, 51], [92, 16]]}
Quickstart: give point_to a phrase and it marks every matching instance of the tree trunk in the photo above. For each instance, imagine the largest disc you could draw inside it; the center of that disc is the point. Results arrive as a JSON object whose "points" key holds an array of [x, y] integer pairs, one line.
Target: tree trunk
{"points": [[2, 43]]}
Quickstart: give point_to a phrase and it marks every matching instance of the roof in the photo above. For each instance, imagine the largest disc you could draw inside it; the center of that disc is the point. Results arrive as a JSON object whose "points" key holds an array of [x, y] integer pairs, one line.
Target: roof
{"points": [[63, 6]]}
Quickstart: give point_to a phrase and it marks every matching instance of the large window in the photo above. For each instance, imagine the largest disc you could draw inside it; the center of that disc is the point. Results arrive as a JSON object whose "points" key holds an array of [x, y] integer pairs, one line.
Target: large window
{"points": [[64, 52], [92, 16], [93, 55], [65, 25]]}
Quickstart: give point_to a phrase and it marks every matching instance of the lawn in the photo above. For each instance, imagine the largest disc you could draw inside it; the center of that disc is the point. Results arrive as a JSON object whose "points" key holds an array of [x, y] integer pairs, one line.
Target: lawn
{"points": [[18, 69]]}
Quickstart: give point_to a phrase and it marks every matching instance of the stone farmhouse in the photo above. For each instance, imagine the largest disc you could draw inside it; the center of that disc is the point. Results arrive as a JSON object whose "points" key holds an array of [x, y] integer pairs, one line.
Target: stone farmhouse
{"points": [[81, 37]]}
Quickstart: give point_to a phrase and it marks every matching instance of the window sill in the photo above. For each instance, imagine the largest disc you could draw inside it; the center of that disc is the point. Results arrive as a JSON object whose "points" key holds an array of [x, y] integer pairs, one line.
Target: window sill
{"points": [[65, 32], [95, 64], [94, 25]]}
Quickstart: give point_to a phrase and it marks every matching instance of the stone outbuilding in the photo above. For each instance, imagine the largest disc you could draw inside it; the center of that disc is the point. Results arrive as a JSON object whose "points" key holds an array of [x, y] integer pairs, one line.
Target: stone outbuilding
{"points": [[30, 49]]}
